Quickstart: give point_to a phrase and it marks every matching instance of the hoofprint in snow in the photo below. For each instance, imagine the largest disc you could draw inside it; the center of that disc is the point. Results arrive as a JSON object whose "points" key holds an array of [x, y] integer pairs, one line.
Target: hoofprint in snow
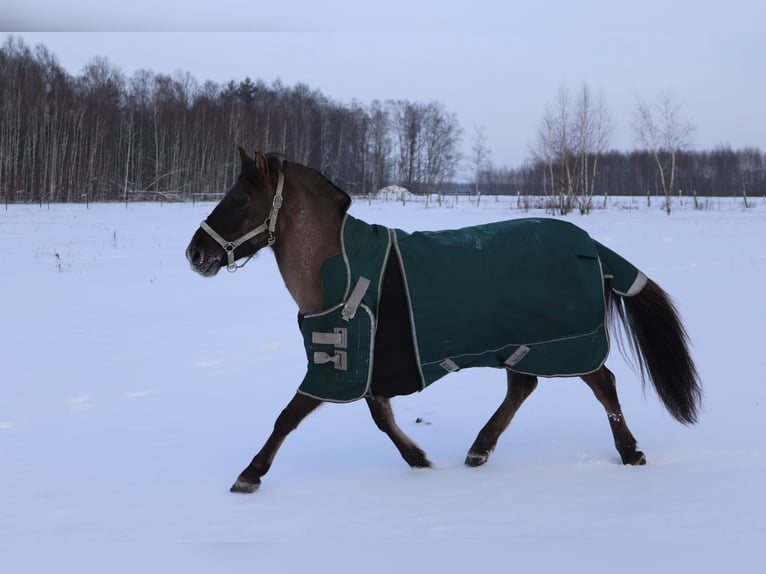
{"points": [[131, 388]]}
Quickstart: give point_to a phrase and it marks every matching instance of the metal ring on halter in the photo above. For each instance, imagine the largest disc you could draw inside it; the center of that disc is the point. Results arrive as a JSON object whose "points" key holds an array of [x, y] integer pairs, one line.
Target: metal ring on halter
{"points": [[232, 267]]}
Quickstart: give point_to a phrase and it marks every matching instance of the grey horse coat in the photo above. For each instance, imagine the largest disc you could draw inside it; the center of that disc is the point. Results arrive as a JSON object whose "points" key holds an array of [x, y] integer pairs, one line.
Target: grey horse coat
{"points": [[526, 295]]}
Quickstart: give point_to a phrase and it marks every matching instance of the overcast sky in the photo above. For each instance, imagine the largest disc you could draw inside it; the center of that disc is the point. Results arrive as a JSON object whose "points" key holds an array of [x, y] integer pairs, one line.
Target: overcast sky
{"points": [[496, 64]]}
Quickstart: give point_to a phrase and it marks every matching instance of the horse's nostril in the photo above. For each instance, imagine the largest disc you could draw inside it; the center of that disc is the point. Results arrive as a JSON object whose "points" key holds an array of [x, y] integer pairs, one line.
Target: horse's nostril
{"points": [[193, 255]]}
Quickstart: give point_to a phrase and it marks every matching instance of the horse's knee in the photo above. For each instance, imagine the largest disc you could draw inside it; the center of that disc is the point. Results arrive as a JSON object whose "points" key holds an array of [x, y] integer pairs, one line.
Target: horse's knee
{"points": [[292, 415], [379, 424], [285, 423]]}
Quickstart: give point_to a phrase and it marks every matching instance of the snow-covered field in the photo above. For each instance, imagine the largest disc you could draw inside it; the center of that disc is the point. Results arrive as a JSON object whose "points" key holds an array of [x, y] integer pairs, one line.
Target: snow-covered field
{"points": [[132, 392]]}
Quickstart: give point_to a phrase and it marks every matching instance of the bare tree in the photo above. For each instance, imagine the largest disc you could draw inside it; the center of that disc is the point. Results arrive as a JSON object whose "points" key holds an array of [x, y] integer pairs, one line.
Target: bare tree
{"points": [[379, 143], [570, 139], [480, 162], [425, 138], [559, 123], [592, 128], [662, 129], [441, 135], [407, 124]]}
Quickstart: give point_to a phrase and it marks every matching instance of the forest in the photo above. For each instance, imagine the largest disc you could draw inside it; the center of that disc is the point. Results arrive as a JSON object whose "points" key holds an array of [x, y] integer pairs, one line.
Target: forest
{"points": [[102, 136]]}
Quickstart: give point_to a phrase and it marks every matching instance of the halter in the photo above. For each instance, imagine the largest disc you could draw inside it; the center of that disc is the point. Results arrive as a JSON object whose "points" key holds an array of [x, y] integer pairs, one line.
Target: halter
{"points": [[270, 224]]}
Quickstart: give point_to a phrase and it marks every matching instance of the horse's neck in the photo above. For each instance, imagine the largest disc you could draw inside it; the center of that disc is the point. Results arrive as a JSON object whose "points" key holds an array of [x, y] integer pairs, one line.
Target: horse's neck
{"points": [[310, 234]]}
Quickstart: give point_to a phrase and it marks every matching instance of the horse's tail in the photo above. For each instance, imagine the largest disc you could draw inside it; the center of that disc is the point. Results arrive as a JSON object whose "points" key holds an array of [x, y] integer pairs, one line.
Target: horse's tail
{"points": [[660, 343]]}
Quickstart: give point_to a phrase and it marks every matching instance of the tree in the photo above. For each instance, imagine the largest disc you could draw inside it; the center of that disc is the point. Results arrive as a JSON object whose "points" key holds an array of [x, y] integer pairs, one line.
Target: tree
{"points": [[407, 125], [661, 128], [570, 139], [379, 146], [480, 162], [592, 129], [441, 135]]}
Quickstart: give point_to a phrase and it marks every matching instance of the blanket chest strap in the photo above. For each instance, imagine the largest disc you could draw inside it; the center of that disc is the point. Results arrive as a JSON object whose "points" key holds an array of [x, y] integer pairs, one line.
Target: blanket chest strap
{"points": [[338, 338], [339, 359], [355, 299]]}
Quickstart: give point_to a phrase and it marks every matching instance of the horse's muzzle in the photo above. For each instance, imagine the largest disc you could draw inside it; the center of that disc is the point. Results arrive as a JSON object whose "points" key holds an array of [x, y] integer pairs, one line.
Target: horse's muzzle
{"points": [[202, 260]]}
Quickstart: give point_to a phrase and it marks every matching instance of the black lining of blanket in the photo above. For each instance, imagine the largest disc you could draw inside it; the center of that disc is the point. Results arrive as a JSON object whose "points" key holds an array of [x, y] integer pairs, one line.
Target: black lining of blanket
{"points": [[394, 369]]}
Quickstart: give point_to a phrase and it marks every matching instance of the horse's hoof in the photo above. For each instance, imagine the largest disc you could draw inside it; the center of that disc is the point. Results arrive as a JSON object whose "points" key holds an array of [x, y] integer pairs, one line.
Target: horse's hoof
{"points": [[476, 458], [417, 459], [635, 458], [425, 463], [244, 487]]}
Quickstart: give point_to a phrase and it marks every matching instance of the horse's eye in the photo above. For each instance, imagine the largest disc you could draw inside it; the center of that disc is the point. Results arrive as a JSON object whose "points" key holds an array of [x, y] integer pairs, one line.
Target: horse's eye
{"points": [[240, 201]]}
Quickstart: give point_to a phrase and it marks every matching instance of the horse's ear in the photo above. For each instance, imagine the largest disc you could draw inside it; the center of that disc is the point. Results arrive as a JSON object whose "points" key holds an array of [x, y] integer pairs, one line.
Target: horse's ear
{"points": [[246, 159], [261, 163]]}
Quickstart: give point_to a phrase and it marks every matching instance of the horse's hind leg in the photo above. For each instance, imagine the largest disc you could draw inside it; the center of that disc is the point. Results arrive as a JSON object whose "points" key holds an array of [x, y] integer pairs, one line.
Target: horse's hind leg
{"points": [[380, 408], [603, 386], [519, 388]]}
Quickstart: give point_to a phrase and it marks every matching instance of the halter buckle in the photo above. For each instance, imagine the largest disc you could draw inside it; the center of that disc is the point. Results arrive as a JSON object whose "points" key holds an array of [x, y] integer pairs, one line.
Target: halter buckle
{"points": [[267, 226]]}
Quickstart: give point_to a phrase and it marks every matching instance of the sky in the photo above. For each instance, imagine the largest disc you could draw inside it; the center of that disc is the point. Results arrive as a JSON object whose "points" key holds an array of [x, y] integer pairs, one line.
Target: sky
{"points": [[496, 65]]}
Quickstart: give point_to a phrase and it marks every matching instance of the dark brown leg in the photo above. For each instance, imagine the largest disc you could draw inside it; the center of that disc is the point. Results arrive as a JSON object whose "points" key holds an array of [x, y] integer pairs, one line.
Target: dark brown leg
{"points": [[380, 408], [603, 386], [296, 410], [519, 388]]}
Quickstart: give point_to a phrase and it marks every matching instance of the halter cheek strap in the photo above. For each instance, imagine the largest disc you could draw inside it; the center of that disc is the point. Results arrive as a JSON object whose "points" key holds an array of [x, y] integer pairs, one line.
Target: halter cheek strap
{"points": [[269, 226]]}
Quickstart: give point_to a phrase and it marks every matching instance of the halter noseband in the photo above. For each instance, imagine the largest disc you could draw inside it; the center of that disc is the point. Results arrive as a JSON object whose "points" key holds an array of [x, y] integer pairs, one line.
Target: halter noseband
{"points": [[269, 225]]}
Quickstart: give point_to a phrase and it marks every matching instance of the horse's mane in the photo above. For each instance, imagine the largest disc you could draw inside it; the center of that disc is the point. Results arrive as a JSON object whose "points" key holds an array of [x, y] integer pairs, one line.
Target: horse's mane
{"points": [[317, 182]]}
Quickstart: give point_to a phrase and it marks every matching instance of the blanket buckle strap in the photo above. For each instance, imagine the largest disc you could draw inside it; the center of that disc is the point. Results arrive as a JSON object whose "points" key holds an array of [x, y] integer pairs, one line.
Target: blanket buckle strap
{"points": [[339, 359], [355, 299], [338, 338]]}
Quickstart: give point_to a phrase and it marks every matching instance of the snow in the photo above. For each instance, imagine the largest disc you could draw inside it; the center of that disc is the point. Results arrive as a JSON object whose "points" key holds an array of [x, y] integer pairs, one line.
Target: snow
{"points": [[133, 392]]}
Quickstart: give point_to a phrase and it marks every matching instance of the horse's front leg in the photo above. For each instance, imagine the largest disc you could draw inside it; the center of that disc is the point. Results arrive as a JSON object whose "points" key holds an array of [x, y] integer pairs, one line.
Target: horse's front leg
{"points": [[296, 410], [380, 408]]}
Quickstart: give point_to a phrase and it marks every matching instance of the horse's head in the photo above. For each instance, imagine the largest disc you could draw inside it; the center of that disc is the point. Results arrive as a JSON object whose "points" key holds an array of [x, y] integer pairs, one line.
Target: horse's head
{"points": [[243, 222]]}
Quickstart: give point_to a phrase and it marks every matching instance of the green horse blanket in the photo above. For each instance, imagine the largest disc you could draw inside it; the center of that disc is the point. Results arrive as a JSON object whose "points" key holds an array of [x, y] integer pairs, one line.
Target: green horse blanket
{"points": [[526, 295]]}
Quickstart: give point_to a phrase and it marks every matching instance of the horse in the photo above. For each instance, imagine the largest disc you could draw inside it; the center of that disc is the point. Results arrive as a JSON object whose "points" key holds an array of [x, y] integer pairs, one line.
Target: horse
{"points": [[302, 216]]}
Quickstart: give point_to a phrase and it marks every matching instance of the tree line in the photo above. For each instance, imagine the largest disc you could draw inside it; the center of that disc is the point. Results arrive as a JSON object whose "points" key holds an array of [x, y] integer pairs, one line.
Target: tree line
{"points": [[571, 160], [103, 136], [720, 172]]}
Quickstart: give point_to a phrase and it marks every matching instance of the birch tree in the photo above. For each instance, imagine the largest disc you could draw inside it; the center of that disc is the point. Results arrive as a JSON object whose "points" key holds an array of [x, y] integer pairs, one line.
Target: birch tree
{"points": [[592, 128], [480, 162], [572, 135], [661, 128]]}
